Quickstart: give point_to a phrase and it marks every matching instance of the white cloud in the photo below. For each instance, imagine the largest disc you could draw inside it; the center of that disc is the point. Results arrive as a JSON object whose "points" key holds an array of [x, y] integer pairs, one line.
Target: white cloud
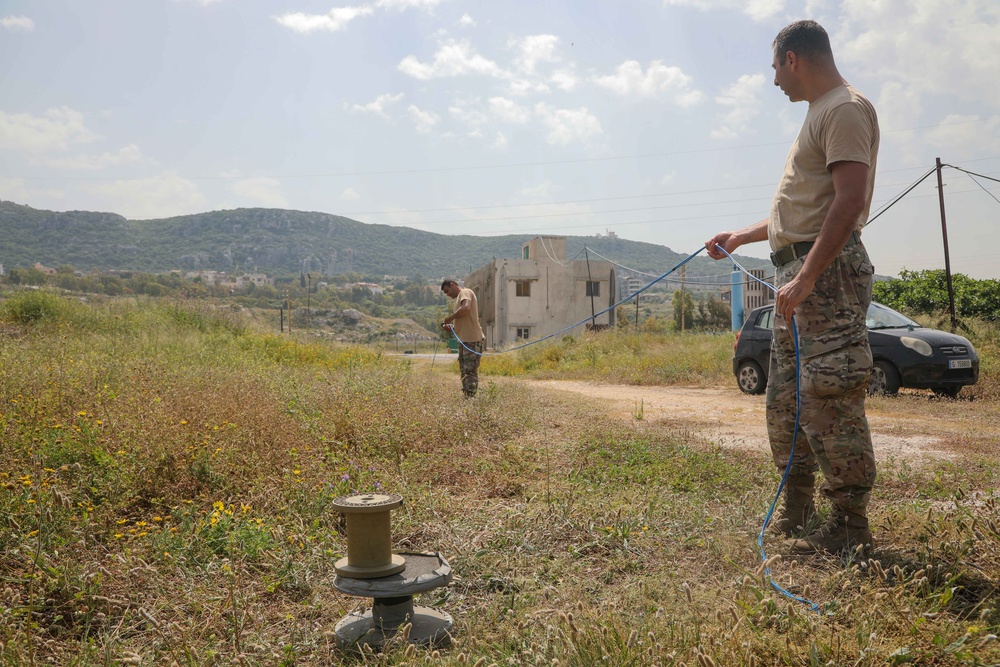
{"points": [[467, 21], [758, 10], [55, 130], [143, 198], [333, 21], [564, 79], [929, 47], [19, 191], [378, 105], [424, 121], [260, 190], [742, 98], [509, 111], [668, 178], [499, 141], [407, 4], [658, 79], [128, 155], [452, 59], [899, 108], [17, 23], [350, 194], [965, 135], [534, 49], [544, 190], [568, 126], [469, 112], [521, 87]]}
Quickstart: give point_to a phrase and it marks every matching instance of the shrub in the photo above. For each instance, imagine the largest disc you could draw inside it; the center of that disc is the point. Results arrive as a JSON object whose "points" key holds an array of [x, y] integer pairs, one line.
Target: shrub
{"points": [[32, 306]]}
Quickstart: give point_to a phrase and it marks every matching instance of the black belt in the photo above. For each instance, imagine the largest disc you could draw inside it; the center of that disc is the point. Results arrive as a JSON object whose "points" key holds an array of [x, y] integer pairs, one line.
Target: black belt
{"points": [[801, 249]]}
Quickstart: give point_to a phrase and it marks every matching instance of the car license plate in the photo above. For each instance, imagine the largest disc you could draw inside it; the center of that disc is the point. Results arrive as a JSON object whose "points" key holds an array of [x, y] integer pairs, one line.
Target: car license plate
{"points": [[960, 363]]}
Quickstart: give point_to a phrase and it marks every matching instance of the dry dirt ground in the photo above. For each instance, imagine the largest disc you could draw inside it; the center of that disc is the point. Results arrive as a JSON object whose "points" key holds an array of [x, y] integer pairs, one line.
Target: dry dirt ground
{"points": [[911, 426]]}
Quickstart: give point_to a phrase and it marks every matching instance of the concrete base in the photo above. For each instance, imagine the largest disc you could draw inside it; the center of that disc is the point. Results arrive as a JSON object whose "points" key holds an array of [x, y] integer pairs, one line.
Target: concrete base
{"points": [[430, 627]]}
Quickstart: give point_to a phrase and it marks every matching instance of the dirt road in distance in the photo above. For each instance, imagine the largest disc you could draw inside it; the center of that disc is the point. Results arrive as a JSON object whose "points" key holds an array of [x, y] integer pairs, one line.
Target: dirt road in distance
{"points": [[913, 427]]}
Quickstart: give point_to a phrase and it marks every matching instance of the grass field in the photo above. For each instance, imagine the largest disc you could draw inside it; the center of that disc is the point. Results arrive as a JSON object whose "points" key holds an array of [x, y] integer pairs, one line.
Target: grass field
{"points": [[167, 472]]}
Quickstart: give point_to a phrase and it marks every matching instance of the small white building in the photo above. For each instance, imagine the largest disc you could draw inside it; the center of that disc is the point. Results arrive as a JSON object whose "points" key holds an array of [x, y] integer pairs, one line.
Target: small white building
{"points": [[258, 279], [541, 292]]}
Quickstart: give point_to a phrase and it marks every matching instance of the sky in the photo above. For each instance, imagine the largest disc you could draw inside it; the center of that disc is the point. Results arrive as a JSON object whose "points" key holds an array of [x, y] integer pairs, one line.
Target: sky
{"points": [[655, 120]]}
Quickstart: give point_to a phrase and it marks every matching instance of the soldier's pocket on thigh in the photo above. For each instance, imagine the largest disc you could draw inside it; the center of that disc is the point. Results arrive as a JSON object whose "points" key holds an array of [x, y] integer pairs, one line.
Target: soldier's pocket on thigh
{"points": [[838, 371], [850, 463]]}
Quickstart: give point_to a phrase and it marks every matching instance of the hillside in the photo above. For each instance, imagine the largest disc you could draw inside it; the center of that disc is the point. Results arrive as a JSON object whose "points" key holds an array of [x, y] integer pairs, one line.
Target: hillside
{"points": [[282, 241]]}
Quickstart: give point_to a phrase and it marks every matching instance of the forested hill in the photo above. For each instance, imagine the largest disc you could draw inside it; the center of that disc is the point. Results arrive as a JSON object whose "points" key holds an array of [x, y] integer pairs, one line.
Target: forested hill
{"points": [[281, 241]]}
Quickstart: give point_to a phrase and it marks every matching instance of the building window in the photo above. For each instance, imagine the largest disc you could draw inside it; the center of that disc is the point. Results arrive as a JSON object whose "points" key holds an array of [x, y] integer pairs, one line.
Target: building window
{"points": [[524, 250], [522, 287], [523, 333], [593, 288]]}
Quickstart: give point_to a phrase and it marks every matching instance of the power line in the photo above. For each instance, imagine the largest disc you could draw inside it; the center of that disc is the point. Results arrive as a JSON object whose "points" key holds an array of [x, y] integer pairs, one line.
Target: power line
{"points": [[600, 199], [388, 172]]}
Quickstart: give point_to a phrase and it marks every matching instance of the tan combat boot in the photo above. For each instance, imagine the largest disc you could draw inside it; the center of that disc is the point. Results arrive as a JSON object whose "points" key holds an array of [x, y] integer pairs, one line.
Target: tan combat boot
{"points": [[843, 530], [797, 505]]}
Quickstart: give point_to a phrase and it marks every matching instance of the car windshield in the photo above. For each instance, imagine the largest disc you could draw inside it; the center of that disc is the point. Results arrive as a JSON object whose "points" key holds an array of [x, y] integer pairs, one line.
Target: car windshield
{"points": [[881, 317]]}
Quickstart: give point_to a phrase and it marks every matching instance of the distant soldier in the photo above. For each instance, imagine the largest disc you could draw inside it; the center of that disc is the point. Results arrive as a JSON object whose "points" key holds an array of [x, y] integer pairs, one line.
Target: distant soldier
{"points": [[465, 320], [824, 280]]}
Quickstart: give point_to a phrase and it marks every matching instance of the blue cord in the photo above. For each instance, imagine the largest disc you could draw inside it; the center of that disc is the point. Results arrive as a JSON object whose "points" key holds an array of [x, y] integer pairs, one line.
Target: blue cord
{"points": [[584, 321], [795, 434]]}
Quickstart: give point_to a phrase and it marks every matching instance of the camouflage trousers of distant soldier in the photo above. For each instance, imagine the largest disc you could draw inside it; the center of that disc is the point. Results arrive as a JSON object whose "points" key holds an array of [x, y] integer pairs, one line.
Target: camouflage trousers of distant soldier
{"points": [[468, 365], [836, 363]]}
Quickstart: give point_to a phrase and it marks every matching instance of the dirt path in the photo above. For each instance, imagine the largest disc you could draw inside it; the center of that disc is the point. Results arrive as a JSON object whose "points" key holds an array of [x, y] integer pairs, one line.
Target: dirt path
{"points": [[902, 427]]}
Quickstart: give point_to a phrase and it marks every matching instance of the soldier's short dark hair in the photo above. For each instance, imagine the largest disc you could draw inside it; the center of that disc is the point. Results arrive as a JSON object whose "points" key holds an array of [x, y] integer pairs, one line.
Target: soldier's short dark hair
{"points": [[806, 39], [448, 281]]}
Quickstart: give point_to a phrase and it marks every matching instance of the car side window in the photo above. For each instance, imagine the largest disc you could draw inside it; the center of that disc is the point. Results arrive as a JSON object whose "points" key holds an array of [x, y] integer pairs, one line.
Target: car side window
{"points": [[764, 321]]}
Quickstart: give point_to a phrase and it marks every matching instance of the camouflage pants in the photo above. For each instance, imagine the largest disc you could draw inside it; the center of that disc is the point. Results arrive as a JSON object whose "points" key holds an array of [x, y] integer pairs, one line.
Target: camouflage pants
{"points": [[836, 363], [468, 365]]}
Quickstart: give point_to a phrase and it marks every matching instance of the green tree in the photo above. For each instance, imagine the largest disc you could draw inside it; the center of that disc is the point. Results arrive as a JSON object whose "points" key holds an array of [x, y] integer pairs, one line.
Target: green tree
{"points": [[926, 293], [25, 277], [685, 315]]}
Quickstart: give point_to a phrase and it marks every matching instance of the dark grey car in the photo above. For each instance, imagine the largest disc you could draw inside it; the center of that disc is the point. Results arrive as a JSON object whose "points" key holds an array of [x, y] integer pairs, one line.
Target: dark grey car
{"points": [[905, 354]]}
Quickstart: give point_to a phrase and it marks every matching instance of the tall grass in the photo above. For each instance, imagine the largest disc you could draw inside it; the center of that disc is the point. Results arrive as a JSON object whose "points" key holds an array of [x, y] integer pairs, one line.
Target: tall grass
{"points": [[623, 356], [167, 472]]}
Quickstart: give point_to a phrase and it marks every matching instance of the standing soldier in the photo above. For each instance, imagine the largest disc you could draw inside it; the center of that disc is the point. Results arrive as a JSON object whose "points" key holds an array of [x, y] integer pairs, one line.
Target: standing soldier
{"points": [[464, 320], [824, 280]]}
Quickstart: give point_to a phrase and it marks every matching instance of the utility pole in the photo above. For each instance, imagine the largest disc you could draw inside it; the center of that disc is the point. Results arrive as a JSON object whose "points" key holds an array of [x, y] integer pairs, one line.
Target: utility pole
{"points": [[288, 302], [309, 313], [590, 288], [683, 277], [947, 259]]}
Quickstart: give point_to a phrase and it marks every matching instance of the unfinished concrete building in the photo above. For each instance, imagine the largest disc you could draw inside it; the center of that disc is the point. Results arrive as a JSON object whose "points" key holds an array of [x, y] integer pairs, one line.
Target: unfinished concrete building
{"points": [[541, 292]]}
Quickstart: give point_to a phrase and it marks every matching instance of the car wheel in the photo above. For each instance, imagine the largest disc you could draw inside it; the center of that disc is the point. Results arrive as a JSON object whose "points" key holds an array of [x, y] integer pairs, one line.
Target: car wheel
{"points": [[946, 392], [884, 380], [750, 377]]}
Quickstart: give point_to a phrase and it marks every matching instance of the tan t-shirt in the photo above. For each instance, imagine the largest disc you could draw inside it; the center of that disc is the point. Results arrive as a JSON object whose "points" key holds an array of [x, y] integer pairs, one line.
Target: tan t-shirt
{"points": [[467, 326], [841, 126]]}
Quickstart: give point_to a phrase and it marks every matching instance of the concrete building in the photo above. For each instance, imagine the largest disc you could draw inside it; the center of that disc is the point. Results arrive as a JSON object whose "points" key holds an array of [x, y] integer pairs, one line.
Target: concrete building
{"points": [[244, 281], [541, 292]]}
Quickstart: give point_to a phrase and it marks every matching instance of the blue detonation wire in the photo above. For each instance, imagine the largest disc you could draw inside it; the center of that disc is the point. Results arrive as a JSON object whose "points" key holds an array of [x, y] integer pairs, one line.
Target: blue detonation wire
{"points": [[784, 477], [584, 321], [798, 401]]}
